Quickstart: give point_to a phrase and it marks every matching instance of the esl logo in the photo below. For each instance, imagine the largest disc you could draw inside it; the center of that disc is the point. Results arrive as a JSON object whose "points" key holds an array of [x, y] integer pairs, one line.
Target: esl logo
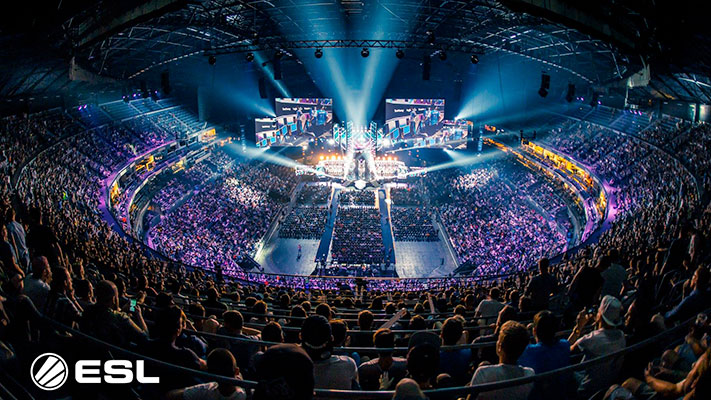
{"points": [[49, 371]]}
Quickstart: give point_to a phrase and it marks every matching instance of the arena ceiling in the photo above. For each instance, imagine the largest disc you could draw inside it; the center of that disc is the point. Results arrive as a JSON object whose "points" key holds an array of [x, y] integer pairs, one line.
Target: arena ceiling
{"points": [[107, 41]]}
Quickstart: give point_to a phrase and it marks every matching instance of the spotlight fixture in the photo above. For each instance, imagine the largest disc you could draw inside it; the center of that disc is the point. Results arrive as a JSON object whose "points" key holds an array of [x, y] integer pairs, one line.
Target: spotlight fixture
{"points": [[249, 57], [211, 60], [571, 93], [279, 54], [430, 37], [318, 53], [400, 54], [475, 59], [442, 55], [365, 52]]}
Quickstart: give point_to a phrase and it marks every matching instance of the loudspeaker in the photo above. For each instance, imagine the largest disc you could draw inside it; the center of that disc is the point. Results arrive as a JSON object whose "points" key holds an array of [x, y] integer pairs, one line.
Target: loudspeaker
{"points": [[165, 82], [545, 85], [426, 64], [262, 88], [571, 93], [144, 90], [277, 69]]}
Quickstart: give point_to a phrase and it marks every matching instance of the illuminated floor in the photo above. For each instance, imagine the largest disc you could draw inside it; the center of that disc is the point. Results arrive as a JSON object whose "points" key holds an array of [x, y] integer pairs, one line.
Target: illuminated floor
{"points": [[423, 259], [280, 256]]}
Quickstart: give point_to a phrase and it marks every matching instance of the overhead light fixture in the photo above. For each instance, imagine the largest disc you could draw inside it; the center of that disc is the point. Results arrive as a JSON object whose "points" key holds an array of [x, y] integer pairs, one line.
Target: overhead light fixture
{"points": [[211, 60], [365, 52], [475, 59], [249, 57], [442, 55], [545, 85], [430, 37], [426, 64], [318, 53], [279, 54], [400, 54], [571, 93]]}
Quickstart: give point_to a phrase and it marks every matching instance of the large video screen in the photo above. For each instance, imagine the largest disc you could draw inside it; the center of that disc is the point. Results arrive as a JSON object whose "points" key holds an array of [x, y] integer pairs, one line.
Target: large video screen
{"points": [[266, 132], [301, 118], [413, 119]]}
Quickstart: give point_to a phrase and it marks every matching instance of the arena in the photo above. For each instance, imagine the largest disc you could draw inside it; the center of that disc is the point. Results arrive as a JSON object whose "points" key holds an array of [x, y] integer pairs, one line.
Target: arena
{"points": [[385, 199]]}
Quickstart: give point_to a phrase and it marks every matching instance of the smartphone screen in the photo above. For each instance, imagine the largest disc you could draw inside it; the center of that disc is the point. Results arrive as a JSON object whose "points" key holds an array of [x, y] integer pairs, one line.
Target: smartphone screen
{"points": [[132, 306]]}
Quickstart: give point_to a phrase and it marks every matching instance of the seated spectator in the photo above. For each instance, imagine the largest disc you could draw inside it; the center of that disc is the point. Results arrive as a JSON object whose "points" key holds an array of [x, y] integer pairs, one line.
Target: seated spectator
{"points": [[613, 277], [408, 389], [548, 354], [169, 325], [213, 305], [37, 284], [284, 372], [455, 362], [104, 321], [233, 325], [489, 308], [219, 362], [513, 339], [423, 359], [365, 323], [385, 371], [606, 339], [61, 304], [695, 302], [330, 371]]}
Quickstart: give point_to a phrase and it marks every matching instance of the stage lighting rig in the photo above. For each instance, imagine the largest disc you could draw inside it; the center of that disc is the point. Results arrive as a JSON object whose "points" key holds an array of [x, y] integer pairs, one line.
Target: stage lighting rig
{"points": [[400, 54], [475, 59], [430, 38], [365, 52], [442, 55], [278, 55], [318, 53], [211, 60], [249, 57]]}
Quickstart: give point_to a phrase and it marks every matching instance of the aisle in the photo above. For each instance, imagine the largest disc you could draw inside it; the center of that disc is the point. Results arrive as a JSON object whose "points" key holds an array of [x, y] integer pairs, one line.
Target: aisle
{"points": [[325, 245]]}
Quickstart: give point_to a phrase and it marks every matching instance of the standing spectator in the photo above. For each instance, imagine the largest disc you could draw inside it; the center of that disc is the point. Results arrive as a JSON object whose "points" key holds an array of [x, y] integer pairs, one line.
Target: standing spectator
{"points": [[42, 239], [613, 277], [17, 236], [584, 290], [606, 339], [513, 339], [541, 287]]}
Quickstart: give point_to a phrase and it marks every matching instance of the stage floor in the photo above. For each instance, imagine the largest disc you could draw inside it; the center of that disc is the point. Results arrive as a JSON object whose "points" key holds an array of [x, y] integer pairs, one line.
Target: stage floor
{"points": [[279, 256], [423, 259]]}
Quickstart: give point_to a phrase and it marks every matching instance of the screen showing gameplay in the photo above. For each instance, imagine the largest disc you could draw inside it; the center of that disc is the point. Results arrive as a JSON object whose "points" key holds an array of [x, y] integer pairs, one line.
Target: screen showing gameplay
{"points": [[413, 120], [266, 132], [300, 119]]}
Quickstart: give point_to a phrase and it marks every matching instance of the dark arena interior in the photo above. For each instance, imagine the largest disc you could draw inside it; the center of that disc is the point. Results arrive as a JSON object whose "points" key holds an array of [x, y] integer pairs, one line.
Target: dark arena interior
{"points": [[369, 199]]}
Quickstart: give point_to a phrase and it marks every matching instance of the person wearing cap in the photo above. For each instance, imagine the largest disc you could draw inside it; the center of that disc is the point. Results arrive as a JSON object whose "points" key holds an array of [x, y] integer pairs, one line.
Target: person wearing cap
{"points": [[606, 339], [330, 371]]}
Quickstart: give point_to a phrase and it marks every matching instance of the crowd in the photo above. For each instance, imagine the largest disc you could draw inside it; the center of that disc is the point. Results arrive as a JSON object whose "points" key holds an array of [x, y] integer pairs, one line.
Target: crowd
{"points": [[412, 224], [491, 226], [223, 222], [408, 196], [647, 274], [357, 197], [313, 194], [357, 236], [304, 223]]}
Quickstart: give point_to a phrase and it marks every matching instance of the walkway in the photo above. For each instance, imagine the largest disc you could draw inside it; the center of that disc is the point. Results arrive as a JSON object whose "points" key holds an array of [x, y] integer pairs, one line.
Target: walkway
{"points": [[325, 245], [388, 240]]}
